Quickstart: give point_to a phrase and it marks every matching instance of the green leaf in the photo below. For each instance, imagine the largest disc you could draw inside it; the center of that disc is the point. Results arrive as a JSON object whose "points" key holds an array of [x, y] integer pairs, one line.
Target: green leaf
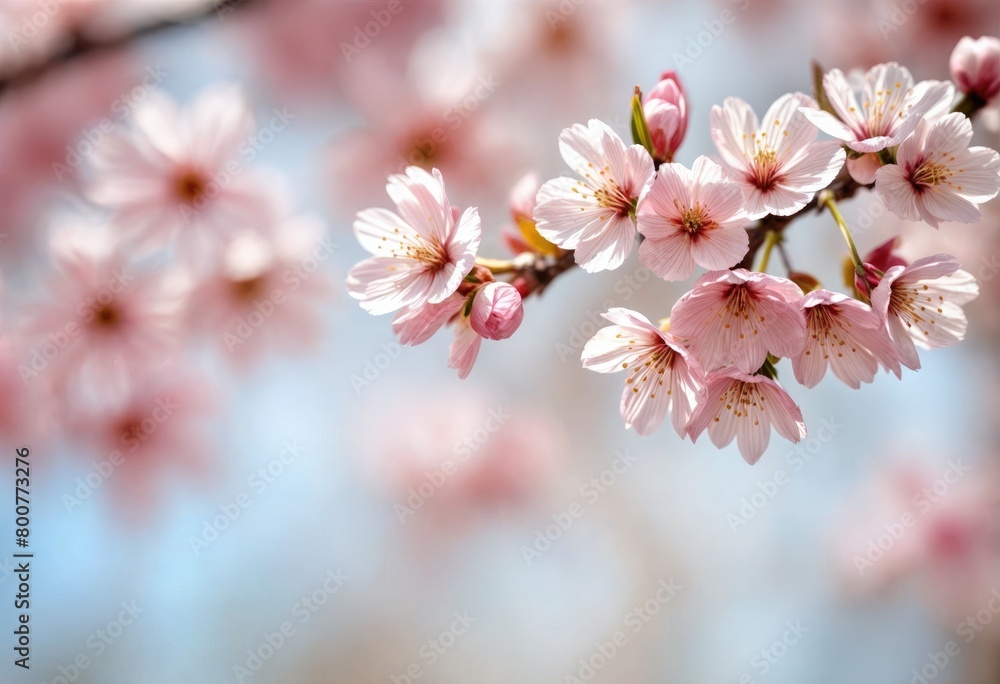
{"points": [[640, 130]]}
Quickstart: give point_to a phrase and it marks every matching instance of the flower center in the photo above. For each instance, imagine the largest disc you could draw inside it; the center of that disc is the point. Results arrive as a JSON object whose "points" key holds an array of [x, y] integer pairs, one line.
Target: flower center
{"points": [[915, 306], [130, 426], [929, 173], [190, 187], [652, 369], [765, 170], [741, 399], [740, 301], [430, 252], [106, 316], [695, 221], [248, 288], [612, 196]]}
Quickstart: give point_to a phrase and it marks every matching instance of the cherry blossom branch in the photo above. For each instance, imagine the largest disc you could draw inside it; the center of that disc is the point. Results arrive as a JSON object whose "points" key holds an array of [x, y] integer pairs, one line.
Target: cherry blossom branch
{"points": [[532, 272], [843, 187], [81, 45]]}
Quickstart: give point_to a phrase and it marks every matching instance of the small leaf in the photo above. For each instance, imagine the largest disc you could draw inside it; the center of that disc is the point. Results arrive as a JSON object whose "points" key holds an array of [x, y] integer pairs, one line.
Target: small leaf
{"points": [[640, 129]]}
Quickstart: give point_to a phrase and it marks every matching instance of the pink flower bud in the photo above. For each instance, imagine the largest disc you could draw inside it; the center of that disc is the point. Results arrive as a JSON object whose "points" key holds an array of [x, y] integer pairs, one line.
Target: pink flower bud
{"points": [[496, 311], [871, 280], [884, 256], [666, 110], [975, 66]]}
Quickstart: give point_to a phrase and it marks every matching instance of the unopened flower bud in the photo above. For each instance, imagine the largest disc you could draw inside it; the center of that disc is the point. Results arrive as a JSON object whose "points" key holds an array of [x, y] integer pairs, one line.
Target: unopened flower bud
{"points": [[869, 281], [975, 67], [496, 311], [666, 110]]}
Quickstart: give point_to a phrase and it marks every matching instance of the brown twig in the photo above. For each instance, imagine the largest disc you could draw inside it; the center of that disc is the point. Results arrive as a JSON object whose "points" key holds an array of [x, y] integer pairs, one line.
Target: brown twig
{"points": [[843, 187], [81, 45]]}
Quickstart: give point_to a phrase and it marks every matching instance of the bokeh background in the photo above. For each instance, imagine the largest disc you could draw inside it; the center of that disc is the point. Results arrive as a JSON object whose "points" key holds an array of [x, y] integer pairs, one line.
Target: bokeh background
{"points": [[298, 526]]}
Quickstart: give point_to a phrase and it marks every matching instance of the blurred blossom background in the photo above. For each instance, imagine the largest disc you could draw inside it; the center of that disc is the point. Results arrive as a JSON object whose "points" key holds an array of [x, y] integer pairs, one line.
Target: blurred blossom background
{"points": [[291, 496]]}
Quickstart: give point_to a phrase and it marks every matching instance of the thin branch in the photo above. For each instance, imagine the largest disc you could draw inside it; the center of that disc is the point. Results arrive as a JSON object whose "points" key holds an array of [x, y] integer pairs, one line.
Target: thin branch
{"points": [[81, 45], [843, 187]]}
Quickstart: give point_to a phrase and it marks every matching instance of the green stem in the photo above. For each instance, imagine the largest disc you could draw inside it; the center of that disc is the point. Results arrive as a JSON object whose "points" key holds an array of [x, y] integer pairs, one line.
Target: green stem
{"points": [[826, 198], [770, 241]]}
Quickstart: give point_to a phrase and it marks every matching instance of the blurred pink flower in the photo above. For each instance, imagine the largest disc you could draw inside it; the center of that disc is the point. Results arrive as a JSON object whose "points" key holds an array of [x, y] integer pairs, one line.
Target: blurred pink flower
{"points": [[156, 429], [420, 255], [691, 217], [104, 322], [942, 530], [937, 176], [738, 317], [662, 376], [844, 335], [595, 217], [777, 162], [496, 312], [453, 455], [179, 175], [438, 119], [666, 109], [745, 407], [302, 47], [975, 66], [532, 44], [920, 305], [267, 292]]}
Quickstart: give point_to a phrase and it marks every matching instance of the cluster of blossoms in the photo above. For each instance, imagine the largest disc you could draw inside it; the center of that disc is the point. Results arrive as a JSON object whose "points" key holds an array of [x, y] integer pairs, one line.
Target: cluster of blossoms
{"points": [[711, 364], [187, 242]]}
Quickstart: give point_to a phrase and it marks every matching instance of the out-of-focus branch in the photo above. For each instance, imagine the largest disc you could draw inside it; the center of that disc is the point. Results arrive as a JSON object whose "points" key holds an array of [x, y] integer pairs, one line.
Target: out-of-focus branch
{"points": [[81, 45]]}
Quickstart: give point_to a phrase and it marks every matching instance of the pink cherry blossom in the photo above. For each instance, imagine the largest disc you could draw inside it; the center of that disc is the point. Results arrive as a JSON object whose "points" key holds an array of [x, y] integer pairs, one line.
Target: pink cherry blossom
{"points": [[738, 317], [937, 176], [154, 432], [920, 305], [691, 217], [170, 176], [890, 107], [496, 311], [302, 48], [975, 66], [662, 376], [745, 407], [267, 291], [421, 254], [666, 109], [417, 323], [844, 335], [464, 348], [949, 543], [778, 162], [595, 216], [103, 320], [430, 458]]}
